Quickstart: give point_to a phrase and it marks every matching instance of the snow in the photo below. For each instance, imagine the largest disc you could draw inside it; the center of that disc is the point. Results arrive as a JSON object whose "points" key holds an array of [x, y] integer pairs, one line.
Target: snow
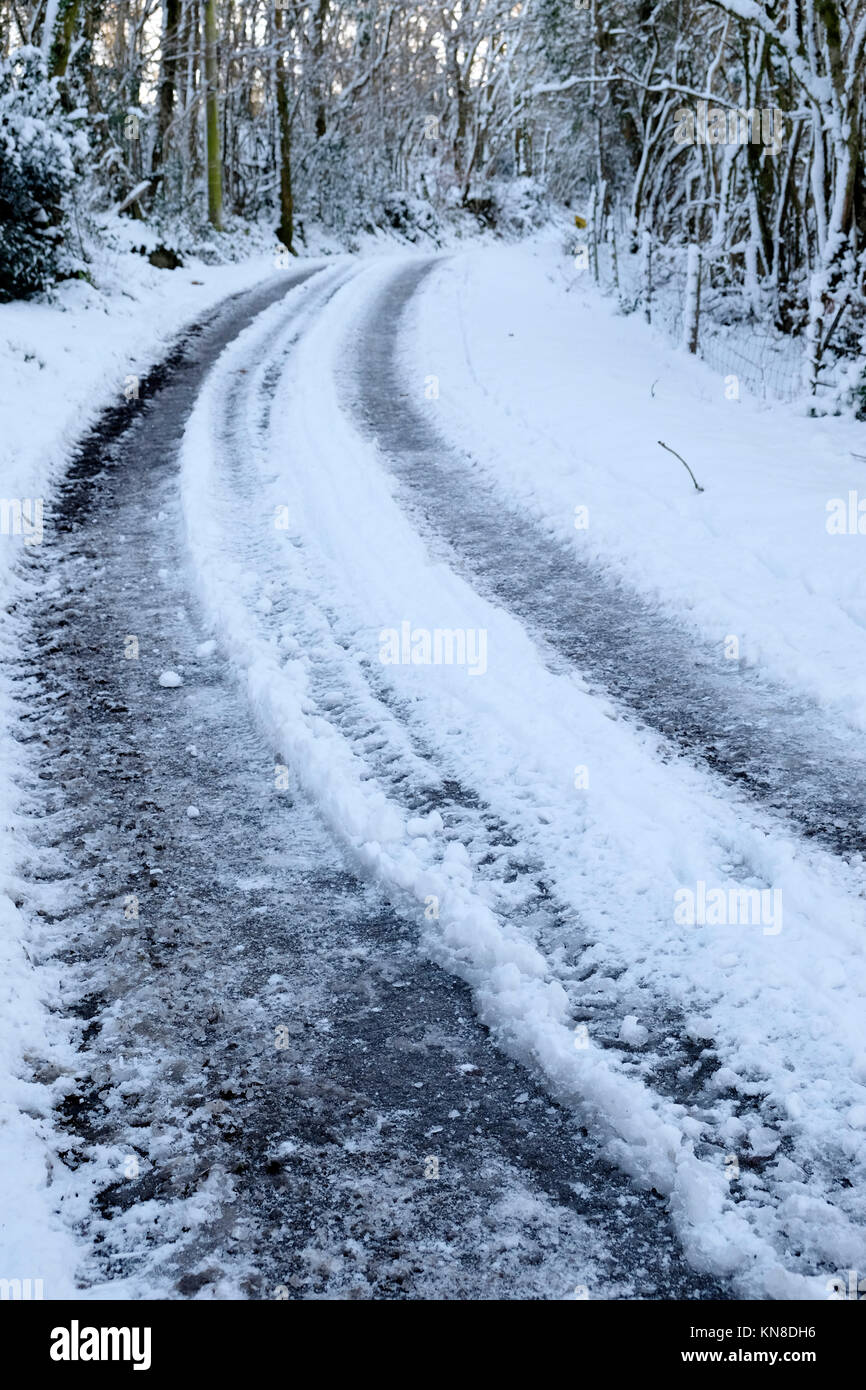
{"points": [[632, 1032], [596, 984], [515, 734], [751, 557]]}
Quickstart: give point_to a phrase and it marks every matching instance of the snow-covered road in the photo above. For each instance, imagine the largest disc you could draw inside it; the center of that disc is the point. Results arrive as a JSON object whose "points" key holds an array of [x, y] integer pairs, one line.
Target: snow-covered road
{"points": [[274, 1093], [411, 1005]]}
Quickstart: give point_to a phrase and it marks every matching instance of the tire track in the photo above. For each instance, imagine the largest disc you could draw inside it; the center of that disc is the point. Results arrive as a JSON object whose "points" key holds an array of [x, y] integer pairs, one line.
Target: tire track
{"points": [[774, 746], [346, 690], [267, 1065]]}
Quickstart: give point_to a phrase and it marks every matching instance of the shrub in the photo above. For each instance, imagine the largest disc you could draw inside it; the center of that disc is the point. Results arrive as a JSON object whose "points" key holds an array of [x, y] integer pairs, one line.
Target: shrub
{"points": [[39, 146]]}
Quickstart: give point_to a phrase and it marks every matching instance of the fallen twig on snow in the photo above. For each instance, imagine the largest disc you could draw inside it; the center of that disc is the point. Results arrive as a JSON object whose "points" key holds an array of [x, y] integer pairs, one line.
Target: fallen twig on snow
{"points": [[698, 487]]}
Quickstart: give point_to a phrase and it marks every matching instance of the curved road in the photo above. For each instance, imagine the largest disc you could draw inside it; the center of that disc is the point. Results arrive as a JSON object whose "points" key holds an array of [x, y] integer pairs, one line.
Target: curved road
{"points": [[277, 1095]]}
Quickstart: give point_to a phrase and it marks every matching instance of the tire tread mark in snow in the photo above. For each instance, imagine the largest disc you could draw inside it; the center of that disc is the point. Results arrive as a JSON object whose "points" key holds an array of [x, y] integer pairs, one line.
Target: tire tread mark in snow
{"points": [[356, 700], [776, 746], [390, 743]]}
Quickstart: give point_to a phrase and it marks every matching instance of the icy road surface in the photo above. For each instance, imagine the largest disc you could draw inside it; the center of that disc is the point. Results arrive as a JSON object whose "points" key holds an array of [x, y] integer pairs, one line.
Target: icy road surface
{"points": [[380, 984], [277, 1096]]}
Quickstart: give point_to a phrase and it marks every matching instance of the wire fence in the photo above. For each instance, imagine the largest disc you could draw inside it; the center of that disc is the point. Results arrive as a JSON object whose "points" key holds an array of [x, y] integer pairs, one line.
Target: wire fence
{"points": [[772, 369], [767, 363]]}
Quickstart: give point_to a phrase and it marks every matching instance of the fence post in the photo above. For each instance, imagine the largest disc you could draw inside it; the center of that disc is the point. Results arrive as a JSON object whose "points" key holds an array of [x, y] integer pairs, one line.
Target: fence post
{"points": [[590, 227], [614, 260], [814, 335], [692, 306], [646, 248]]}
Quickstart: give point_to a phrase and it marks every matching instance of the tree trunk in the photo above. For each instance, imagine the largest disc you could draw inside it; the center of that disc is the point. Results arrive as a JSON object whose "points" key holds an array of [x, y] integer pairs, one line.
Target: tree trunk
{"points": [[168, 80], [214, 167], [190, 45], [285, 230], [59, 42], [320, 14]]}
